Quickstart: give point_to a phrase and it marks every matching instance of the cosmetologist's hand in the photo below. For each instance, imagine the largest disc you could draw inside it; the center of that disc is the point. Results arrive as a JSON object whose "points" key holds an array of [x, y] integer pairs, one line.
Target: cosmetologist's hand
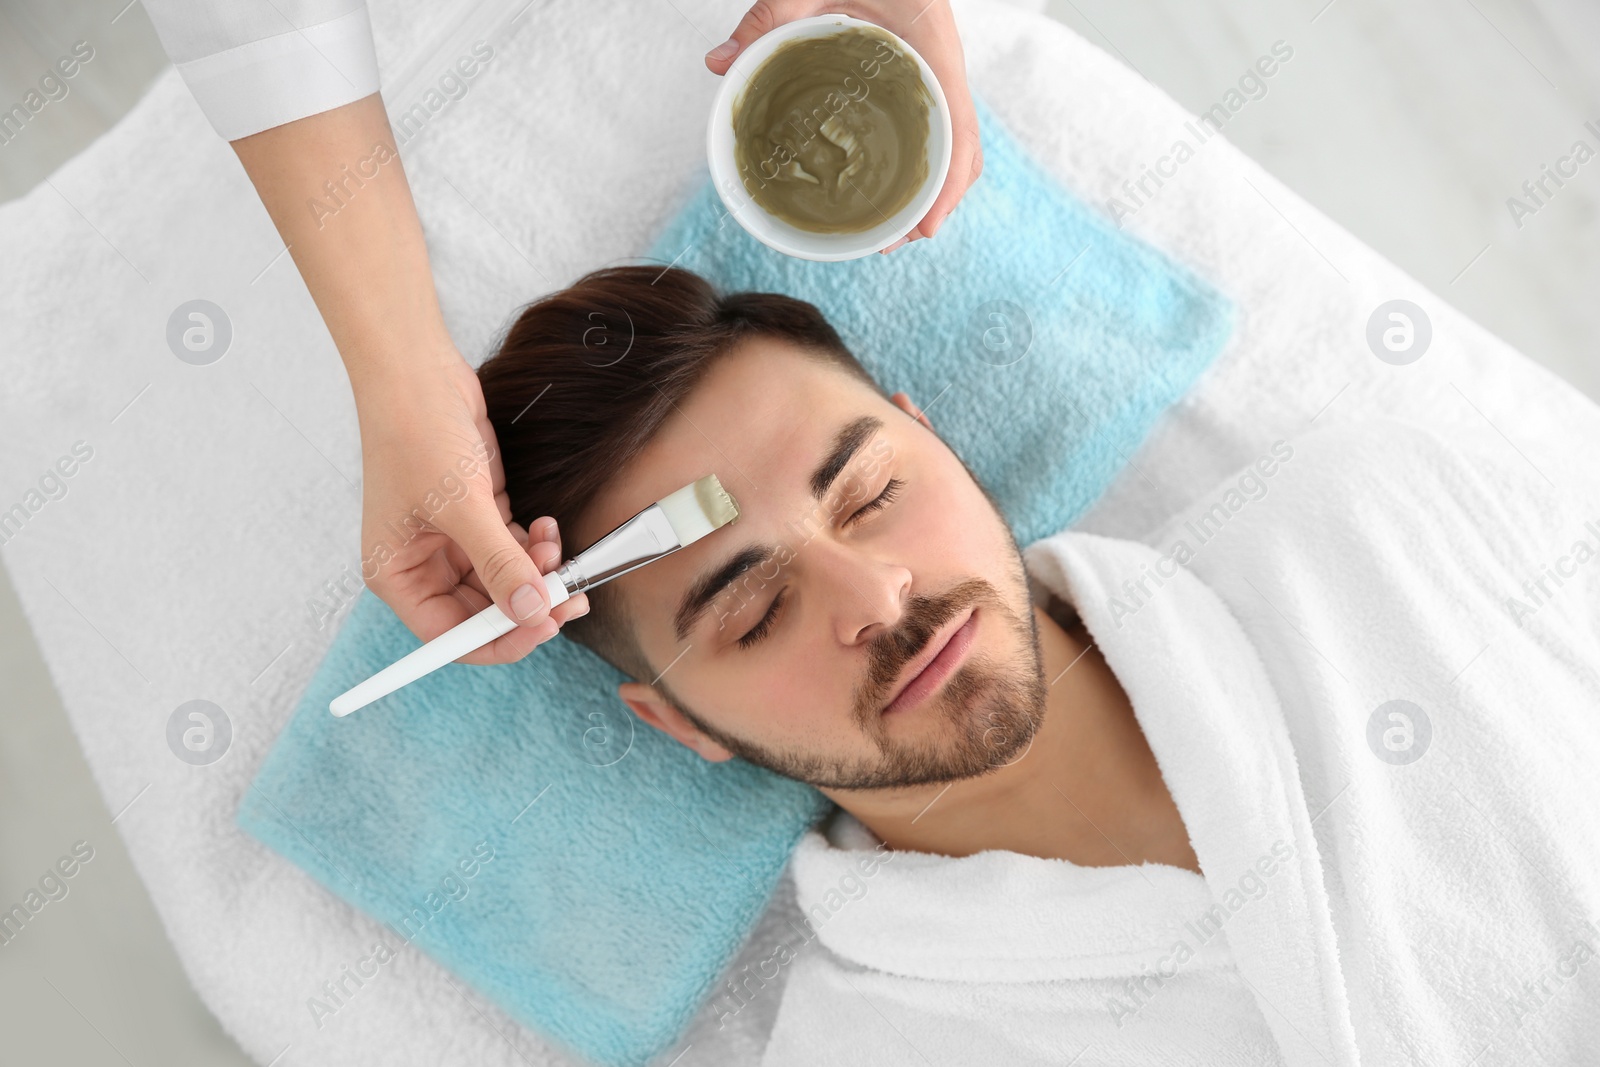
{"points": [[426, 443], [428, 446], [926, 25]]}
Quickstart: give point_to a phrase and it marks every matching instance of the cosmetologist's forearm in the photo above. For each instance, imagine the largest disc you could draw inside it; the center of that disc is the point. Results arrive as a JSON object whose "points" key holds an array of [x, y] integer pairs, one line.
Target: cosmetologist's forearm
{"points": [[335, 188]]}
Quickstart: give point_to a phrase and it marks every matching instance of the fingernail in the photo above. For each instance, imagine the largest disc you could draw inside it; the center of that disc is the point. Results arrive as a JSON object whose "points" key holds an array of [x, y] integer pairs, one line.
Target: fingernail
{"points": [[896, 245], [723, 50], [933, 229], [582, 613], [527, 602]]}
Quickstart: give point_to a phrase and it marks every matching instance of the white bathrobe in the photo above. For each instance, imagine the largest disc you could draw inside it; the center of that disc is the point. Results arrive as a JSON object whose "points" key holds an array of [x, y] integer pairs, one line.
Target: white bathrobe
{"points": [[1413, 883]]}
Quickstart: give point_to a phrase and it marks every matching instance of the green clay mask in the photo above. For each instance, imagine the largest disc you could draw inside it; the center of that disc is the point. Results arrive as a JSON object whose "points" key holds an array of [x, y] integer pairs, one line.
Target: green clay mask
{"points": [[831, 133]]}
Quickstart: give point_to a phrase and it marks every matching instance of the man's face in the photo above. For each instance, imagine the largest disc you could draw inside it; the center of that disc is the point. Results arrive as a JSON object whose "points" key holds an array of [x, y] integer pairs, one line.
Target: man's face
{"points": [[850, 566]]}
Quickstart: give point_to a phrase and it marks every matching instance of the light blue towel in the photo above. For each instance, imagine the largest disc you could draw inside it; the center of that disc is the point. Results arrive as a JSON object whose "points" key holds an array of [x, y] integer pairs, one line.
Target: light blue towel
{"points": [[586, 872]]}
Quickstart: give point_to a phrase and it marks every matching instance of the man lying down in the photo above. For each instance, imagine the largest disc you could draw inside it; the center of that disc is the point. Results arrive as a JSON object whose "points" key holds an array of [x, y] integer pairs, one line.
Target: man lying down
{"points": [[1320, 786]]}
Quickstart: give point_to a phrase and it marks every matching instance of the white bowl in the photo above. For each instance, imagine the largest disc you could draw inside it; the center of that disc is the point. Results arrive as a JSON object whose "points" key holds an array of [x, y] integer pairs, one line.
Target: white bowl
{"points": [[778, 234]]}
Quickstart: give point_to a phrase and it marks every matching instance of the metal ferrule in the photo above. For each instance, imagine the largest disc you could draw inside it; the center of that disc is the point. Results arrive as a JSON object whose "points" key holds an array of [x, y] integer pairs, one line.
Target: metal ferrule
{"points": [[646, 537]]}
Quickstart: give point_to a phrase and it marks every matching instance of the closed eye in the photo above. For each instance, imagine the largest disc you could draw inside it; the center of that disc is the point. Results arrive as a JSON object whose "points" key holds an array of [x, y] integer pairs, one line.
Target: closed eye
{"points": [[761, 629], [882, 499]]}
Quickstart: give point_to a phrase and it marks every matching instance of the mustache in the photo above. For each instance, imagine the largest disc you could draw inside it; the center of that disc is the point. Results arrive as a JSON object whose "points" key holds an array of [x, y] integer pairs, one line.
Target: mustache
{"points": [[889, 653]]}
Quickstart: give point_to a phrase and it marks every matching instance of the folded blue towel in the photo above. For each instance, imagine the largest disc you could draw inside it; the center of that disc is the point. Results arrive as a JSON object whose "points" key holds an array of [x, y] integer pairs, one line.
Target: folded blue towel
{"points": [[580, 868]]}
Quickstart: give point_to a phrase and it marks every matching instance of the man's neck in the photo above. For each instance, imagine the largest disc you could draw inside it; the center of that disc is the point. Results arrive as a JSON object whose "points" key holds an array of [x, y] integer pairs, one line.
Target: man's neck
{"points": [[1087, 789]]}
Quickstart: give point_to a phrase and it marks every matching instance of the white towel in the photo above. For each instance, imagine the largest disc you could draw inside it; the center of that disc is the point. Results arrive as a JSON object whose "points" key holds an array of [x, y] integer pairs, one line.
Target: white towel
{"points": [[1371, 894]]}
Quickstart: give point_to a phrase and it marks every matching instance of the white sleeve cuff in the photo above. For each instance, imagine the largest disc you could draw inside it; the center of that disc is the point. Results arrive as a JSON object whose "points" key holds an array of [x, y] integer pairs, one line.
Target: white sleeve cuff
{"points": [[278, 79]]}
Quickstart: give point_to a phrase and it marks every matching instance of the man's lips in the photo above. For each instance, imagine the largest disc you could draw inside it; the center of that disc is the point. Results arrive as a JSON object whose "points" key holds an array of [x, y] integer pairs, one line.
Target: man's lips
{"points": [[913, 685]]}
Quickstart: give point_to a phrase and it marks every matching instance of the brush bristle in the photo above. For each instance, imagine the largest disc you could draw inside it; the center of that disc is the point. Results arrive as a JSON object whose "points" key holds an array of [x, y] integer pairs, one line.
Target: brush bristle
{"points": [[715, 501], [698, 508]]}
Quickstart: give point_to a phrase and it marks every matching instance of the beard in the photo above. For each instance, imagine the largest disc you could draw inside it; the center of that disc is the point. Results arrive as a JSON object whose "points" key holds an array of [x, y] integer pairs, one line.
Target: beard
{"points": [[985, 715]]}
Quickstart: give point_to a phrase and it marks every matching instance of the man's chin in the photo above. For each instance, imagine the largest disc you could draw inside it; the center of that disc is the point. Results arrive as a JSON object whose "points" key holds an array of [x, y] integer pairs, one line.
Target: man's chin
{"points": [[979, 723], [995, 718], [982, 720]]}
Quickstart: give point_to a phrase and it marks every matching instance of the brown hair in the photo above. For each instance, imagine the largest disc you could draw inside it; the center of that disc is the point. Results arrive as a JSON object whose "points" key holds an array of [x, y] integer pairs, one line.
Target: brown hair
{"points": [[586, 376]]}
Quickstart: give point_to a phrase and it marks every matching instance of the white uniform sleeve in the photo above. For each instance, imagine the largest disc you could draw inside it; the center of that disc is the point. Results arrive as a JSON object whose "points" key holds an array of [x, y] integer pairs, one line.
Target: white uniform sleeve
{"points": [[255, 64]]}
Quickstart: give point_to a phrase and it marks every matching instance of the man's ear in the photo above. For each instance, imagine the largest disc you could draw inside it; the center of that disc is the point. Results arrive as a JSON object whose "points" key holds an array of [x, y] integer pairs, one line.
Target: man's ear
{"points": [[903, 402], [648, 703]]}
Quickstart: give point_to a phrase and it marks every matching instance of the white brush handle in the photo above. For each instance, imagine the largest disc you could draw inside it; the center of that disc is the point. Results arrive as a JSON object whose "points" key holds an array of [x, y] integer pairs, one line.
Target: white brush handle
{"points": [[448, 647]]}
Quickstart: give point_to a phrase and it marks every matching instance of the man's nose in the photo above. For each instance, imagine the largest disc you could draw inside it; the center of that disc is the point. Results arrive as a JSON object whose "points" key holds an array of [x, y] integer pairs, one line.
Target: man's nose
{"points": [[866, 594]]}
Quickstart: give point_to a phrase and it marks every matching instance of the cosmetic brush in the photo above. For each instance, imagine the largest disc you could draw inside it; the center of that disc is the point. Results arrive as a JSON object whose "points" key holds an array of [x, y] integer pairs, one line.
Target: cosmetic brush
{"points": [[676, 520]]}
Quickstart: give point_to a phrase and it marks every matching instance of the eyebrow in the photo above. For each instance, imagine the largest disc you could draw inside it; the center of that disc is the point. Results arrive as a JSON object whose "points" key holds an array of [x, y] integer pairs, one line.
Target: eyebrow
{"points": [[846, 443], [704, 590]]}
